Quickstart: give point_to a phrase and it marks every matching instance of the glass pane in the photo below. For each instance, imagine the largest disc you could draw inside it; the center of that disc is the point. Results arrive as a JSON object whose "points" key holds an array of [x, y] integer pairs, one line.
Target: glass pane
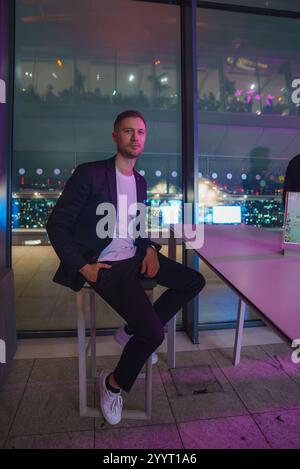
{"points": [[209, 84], [248, 127], [287, 5], [241, 84], [295, 74], [274, 90], [76, 69]]}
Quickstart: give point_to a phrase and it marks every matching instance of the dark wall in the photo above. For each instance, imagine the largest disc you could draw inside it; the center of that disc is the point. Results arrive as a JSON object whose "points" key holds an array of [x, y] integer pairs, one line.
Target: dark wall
{"points": [[5, 109], [7, 310]]}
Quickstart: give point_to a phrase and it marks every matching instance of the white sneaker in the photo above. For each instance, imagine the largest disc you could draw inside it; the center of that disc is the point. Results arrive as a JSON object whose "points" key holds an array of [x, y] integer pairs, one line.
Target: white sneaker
{"points": [[111, 403], [122, 338]]}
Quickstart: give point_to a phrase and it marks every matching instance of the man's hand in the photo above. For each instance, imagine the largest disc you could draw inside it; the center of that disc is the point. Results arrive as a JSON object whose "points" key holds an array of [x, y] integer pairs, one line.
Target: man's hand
{"points": [[150, 264], [90, 271]]}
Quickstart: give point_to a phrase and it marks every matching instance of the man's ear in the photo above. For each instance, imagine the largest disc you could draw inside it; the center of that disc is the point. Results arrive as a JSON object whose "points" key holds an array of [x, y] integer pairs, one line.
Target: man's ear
{"points": [[114, 135]]}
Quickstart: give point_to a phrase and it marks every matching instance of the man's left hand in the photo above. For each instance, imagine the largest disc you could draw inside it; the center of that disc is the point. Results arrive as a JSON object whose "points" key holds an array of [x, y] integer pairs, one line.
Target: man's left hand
{"points": [[150, 264]]}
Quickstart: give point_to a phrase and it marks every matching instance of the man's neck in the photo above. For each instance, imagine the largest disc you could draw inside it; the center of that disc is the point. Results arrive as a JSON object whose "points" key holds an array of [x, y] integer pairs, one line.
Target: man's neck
{"points": [[125, 165]]}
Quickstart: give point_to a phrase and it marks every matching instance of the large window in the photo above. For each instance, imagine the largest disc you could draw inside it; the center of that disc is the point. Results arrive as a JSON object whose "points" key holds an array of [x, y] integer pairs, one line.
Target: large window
{"points": [[249, 128], [77, 67]]}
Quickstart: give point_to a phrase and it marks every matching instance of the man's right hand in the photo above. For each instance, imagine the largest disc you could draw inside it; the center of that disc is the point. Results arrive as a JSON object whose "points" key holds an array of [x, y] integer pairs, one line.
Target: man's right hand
{"points": [[90, 271]]}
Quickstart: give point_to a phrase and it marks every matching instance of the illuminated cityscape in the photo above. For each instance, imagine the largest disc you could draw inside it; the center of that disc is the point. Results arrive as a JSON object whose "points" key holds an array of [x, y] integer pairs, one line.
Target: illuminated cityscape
{"points": [[265, 211]]}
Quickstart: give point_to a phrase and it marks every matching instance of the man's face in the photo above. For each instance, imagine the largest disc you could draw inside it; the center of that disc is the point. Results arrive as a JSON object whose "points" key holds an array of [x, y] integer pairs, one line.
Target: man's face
{"points": [[130, 137]]}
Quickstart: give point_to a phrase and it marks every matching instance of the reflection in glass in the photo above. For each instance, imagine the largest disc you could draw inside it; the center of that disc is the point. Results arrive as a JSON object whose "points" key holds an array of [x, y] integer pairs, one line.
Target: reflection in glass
{"points": [[77, 67]]}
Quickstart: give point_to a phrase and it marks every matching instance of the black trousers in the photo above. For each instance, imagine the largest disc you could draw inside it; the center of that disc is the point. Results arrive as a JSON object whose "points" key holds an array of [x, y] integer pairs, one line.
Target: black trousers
{"points": [[121, 289]]}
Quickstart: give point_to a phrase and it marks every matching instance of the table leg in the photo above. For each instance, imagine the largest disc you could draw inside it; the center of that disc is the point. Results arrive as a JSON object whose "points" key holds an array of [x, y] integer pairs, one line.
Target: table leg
{"points": [[239, 333], [171, 344]]}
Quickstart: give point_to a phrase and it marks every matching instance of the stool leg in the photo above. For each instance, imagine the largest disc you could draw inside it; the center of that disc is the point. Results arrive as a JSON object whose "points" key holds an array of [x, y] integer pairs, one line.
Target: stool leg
{"points": [[148, 382], [171, 348], [146, 413], [81, 355], [148, 386], [84, 410], [93, 333]]}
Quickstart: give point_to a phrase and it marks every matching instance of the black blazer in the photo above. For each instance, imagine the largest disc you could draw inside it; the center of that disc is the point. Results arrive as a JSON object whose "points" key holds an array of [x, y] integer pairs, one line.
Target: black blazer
{"points": [[72, 224]]}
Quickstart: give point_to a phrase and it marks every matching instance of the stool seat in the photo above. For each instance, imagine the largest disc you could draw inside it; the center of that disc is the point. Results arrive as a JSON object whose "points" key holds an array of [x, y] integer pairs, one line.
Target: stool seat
{"points": [[148, 283]]}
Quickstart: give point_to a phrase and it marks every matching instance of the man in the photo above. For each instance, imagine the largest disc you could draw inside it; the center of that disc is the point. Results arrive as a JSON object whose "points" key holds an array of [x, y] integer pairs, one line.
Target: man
{"points": [[113, 264]]}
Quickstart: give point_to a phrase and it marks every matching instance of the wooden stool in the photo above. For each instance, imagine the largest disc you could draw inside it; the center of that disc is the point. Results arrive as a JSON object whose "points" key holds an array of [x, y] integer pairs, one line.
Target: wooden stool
{"points": [[84, 347]]}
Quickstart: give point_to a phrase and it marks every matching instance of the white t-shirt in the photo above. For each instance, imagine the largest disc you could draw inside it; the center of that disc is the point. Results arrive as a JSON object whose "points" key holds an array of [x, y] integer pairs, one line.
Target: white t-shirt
{"points": [[121, 246]]}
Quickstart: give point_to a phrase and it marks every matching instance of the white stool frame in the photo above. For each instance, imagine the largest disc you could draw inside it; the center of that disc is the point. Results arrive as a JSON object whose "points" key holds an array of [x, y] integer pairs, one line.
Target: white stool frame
{"points": [[90, 345]]}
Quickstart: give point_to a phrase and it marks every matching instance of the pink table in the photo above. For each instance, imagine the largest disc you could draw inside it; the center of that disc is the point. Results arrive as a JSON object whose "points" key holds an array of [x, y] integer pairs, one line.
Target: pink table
{"points": [[249, 260]]}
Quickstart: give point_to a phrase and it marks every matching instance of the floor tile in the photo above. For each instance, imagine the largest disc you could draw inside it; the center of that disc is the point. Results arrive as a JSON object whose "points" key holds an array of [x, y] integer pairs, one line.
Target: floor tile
{"points": [[195, 380], [150, 437], [71, 440], [54, 370], [50, 265], [9, 401], [18, 375], [239, 432], [41, 286], [48, 408], [205, 406], [282, 353], [26, 265], [213, 396], [259, 380], [281, 428], [21, 281]]}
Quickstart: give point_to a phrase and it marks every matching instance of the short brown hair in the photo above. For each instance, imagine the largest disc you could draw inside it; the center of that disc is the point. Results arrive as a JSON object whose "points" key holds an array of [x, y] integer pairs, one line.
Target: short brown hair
{"points": [[130, 113]]}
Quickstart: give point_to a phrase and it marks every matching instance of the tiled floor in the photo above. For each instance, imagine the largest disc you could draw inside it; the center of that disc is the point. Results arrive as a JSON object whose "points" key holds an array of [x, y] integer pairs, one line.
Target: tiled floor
{"points": [[204, 403]]}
